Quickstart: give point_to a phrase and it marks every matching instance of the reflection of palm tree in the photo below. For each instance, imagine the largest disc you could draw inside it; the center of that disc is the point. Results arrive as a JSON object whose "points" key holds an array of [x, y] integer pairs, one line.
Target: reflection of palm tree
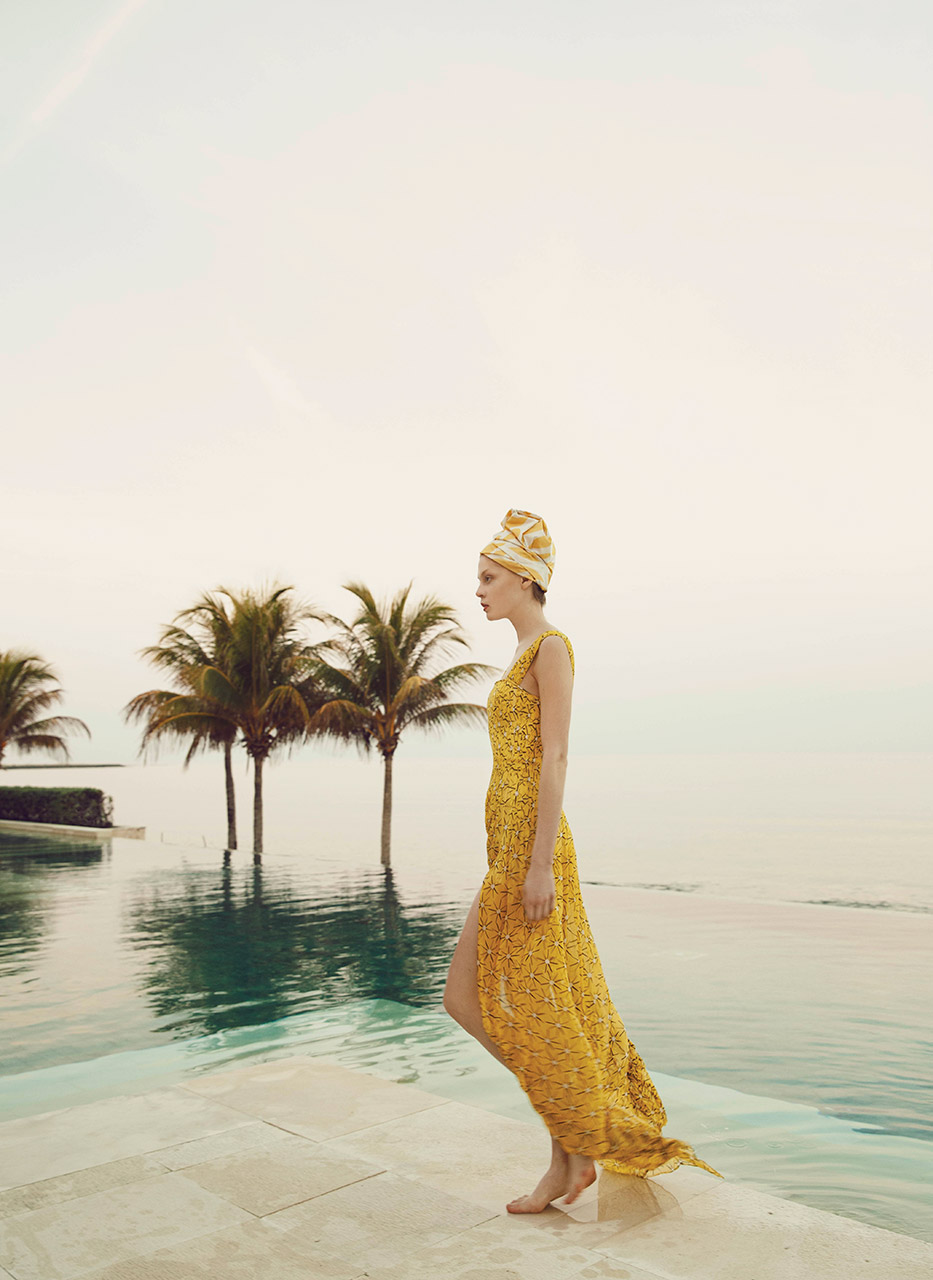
{"points": [[28, 912], [25, 696], [400, 968], [251, 949], [375, 678]]}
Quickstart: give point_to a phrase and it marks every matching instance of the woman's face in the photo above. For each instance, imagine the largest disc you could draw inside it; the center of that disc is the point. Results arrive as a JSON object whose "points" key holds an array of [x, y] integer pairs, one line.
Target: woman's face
{"points": [[499, 590]]}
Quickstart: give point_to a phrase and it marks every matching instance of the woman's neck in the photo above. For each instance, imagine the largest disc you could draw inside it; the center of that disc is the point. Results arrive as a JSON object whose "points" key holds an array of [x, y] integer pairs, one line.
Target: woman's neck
{"points": [[529, 623]]}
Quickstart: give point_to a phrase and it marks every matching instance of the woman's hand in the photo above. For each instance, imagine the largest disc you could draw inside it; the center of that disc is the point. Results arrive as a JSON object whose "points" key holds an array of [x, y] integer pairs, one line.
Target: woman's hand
{"points": [[539, 895]]}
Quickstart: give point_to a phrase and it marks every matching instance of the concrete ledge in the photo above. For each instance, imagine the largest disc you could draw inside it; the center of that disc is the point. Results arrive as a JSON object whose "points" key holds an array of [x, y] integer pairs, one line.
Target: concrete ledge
{"points": [[61, 829], [297, 1167]]}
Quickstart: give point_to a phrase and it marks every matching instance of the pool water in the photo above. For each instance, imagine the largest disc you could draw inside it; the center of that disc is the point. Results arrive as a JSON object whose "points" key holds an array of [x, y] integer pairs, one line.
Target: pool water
{"points": [[790, 1042]]}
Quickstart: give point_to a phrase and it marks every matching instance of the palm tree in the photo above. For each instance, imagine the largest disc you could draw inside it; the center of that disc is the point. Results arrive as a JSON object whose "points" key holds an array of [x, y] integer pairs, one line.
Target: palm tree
{"points": [[256, 685], [265, 685], [375, 677], [185, 654], [24, 696]]}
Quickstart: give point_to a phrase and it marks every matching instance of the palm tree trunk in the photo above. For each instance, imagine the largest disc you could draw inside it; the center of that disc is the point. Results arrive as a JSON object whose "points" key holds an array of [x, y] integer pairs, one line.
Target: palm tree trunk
{"points": [[257, 804], [387, 811], [231, 795]]}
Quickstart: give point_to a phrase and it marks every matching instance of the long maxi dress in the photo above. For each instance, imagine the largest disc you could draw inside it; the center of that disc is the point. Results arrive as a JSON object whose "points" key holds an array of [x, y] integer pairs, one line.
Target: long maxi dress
{"points": [[543, 996]]}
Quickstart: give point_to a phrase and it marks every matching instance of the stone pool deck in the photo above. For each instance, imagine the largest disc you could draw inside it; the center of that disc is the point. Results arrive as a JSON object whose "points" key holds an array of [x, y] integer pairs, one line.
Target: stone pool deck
{"points": [[293, 1168]]}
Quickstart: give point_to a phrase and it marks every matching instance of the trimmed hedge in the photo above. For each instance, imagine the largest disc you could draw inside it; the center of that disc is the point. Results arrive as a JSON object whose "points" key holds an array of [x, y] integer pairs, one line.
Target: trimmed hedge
{"points": [[73, 806]]}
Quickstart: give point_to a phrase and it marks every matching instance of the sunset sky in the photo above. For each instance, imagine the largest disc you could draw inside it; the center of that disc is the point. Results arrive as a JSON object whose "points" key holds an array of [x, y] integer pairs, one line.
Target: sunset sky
{"points": [[317, 291]]}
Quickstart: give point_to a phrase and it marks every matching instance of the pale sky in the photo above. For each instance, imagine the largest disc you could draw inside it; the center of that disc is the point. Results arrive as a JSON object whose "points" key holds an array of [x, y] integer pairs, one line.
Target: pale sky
{"points": [[318, 291]]}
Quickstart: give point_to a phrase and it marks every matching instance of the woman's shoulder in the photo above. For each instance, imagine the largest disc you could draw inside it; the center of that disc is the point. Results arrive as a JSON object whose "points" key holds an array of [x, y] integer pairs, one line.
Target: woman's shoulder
{"points": [[554, 634], [555, 640]]}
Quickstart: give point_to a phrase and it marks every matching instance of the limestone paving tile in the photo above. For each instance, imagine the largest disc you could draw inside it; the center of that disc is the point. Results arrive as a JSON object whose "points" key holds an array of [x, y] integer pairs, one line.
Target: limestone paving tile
{"points": [[735, 1233], [67, 1240], [257, 1134], [39, 1147], [610, 1269], [311, 1096], [71, 1186], [379, 1221], [250, 1251], [458, 1148], [265, 1179], [505, 1248]]}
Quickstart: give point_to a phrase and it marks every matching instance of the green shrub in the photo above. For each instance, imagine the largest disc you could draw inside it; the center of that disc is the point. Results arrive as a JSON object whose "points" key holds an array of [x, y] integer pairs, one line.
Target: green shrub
{"points": [[73, 806]]}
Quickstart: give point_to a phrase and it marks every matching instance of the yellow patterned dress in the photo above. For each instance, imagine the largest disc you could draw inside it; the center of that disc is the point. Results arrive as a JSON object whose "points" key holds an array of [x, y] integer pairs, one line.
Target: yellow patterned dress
{"points": [[543, 996]]}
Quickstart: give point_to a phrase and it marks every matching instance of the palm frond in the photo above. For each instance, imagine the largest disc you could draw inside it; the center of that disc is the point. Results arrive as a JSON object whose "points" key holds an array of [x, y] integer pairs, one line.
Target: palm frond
{"points": [[25, 697], [345, 721], [217, 687], [286, 707], [449, 713], [143, 705], [464, 673], [242, 667], [408, 692], [339, 682], [385, 661], [52, 724], [23, 712], [185, 722], [27, 742]]}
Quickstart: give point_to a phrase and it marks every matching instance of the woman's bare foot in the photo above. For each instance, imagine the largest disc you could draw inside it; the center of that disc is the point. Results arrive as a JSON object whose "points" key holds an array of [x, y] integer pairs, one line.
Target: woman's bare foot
{"points": [[566, 1176], [581, 1174], [551, 1187]]}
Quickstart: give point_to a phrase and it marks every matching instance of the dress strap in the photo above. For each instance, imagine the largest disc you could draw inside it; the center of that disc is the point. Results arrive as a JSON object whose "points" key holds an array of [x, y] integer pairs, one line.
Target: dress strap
{"points": [[520, 670]]}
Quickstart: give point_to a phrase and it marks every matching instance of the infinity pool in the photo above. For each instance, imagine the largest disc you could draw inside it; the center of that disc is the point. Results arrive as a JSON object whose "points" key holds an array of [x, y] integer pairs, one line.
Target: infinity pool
{"points": [[789, 1042]]}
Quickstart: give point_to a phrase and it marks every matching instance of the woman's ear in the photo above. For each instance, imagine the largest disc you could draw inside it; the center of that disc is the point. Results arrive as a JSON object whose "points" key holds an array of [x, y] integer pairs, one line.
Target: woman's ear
{"points": [[526, 583]]}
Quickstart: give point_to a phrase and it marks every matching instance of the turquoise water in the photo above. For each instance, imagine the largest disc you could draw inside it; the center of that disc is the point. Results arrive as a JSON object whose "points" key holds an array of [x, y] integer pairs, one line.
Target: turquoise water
{"points": [[790, 1041]]}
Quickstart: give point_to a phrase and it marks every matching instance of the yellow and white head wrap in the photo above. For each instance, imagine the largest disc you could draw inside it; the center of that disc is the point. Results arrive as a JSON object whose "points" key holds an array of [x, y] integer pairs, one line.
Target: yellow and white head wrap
{"points": [[523, 545]]}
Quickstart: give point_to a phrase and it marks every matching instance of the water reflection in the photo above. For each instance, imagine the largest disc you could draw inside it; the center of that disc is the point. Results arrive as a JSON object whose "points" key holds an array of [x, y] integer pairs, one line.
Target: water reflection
{"points": [[25, 855], [235, 946], [25, 897]]}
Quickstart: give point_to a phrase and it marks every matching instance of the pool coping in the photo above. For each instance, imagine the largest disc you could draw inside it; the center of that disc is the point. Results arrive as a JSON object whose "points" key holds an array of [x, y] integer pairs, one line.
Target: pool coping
{"points": [[63, 829]]}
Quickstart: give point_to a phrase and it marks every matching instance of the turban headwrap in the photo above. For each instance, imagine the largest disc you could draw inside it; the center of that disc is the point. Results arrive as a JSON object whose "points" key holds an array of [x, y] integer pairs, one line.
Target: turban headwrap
{"points": [[523, 545]]}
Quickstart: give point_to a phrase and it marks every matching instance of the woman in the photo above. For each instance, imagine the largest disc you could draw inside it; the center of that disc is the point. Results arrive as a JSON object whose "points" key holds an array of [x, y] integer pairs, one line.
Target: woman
{"points": [[525, 978]]}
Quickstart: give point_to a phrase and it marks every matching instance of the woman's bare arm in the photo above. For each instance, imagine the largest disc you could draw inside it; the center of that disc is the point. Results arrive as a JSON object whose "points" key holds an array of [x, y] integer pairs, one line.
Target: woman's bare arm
{"points": [[554, 675]]}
